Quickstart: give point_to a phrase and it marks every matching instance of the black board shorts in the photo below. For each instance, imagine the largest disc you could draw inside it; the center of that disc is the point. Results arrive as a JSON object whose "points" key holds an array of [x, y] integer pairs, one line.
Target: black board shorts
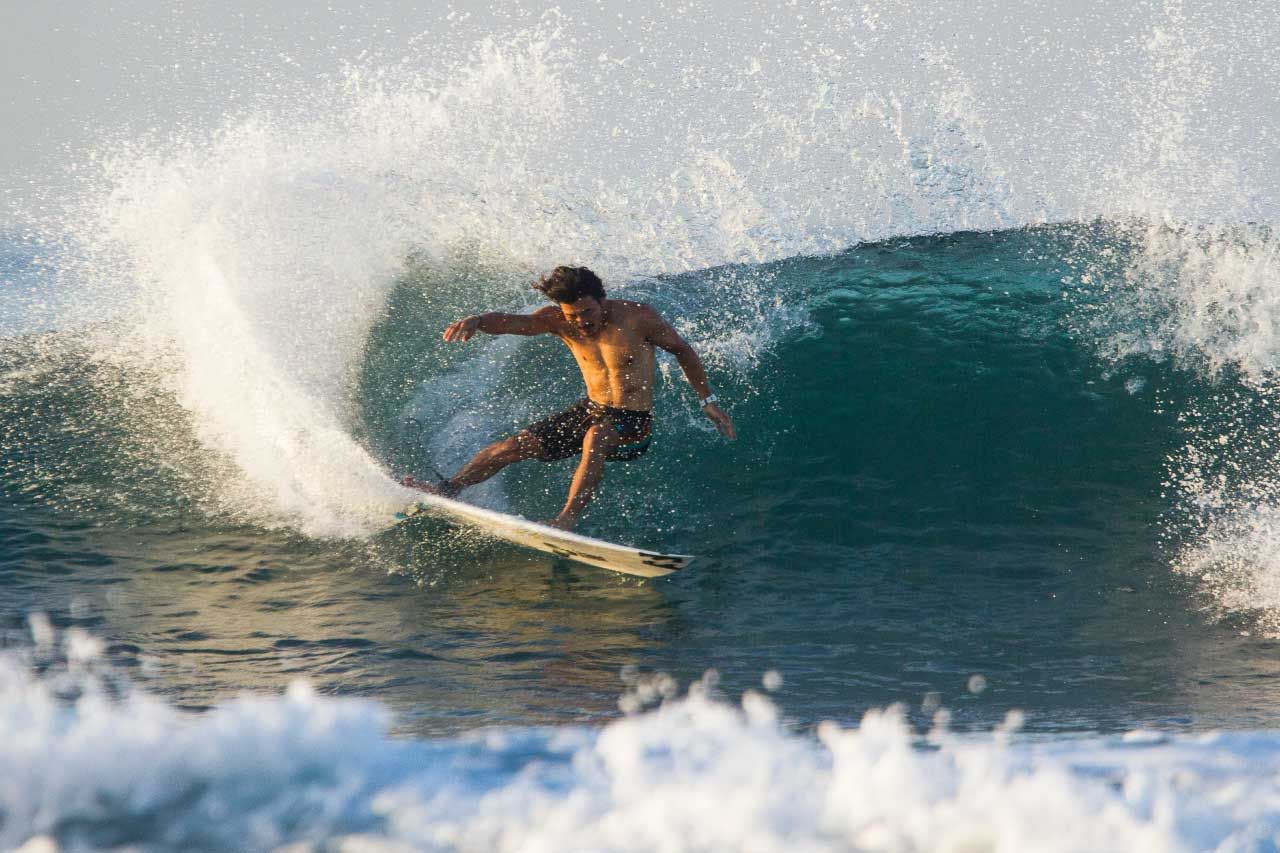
{"points": [[561, 434]]}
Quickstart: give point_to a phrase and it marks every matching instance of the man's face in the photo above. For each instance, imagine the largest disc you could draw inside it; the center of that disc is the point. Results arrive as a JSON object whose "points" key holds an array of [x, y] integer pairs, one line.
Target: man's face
{"points": [[586, 315]]}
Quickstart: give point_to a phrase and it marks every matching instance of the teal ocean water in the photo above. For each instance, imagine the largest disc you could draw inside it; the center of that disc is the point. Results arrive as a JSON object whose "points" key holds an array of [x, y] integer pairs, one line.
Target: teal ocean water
{"points": [[994, 552]]}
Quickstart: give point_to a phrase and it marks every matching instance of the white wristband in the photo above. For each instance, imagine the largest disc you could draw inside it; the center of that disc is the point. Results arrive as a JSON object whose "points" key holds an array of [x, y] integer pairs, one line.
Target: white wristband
{"points": [[708, 400]]}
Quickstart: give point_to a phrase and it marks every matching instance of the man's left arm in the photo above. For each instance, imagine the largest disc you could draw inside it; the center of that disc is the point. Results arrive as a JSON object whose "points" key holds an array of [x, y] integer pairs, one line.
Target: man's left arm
{"points": [[660, 333]]}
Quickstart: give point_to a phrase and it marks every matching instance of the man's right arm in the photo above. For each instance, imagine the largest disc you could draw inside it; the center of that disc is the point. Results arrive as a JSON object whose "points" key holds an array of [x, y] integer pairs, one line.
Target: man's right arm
{"points": [[498, 323]]}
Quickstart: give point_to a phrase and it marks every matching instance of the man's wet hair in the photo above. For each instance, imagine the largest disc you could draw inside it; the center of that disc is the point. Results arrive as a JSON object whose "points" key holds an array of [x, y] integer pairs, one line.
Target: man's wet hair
{"points": [[569, 284]]}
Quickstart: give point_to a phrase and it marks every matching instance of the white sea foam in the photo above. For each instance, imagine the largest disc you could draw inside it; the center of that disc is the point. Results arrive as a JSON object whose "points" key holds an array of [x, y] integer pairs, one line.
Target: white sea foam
{"points": [[1192, 278], [1207, 301], [1206, 297], [113, 766]]}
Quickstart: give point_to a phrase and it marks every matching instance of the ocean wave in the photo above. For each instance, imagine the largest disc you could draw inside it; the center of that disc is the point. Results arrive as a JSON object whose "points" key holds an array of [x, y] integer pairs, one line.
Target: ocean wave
{"points": [[92, 763]]}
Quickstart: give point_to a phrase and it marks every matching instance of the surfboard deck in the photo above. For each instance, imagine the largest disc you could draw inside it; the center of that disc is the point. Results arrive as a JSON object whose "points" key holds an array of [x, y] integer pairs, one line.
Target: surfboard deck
{"points": [[549, 540]]}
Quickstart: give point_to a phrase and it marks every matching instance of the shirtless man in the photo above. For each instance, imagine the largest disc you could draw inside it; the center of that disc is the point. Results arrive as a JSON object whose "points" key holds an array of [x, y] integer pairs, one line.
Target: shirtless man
{"points": [[613, 342]]}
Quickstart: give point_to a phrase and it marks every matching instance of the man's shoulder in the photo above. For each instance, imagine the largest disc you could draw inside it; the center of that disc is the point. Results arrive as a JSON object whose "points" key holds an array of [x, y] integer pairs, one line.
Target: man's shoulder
{"points": [[548, 316], [636, 311], [632, 305]]}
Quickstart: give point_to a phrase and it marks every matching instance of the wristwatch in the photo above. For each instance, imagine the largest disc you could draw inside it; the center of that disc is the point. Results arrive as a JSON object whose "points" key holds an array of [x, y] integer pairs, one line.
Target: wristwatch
{"points": [[708, 400]]}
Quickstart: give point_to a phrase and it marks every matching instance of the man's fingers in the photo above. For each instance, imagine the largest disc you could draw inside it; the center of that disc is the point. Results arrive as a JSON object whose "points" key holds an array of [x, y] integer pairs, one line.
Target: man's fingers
{"points": [[457, 332], [725, 426]]}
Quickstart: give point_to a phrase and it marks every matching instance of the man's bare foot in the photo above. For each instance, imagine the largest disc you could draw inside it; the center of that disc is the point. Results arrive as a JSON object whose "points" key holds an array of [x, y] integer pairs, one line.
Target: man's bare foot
{"points": [[443, 488], [562, 522]]}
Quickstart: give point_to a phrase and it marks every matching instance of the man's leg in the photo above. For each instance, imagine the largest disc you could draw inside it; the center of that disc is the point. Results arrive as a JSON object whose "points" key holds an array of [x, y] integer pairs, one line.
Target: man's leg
{"points": [[486, 463], [599, 441]]}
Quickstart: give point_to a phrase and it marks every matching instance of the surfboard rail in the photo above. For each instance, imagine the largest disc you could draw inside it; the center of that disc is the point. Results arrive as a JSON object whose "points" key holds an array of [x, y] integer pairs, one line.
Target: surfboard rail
{"points": [[550, 540]]}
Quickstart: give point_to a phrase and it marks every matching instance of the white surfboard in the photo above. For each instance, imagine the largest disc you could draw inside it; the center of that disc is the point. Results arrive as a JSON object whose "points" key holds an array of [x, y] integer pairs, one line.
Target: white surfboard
{"points": [[540, 537]]}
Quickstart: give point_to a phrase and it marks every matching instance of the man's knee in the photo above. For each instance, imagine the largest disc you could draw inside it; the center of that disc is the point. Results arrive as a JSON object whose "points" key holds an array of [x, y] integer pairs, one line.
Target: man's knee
{"points": [[505, 451], [523, 445], [601, 438]]}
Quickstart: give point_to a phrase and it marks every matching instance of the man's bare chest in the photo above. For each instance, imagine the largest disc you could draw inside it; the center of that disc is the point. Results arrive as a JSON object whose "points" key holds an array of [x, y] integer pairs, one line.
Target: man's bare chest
{"points": [[620, 352]]}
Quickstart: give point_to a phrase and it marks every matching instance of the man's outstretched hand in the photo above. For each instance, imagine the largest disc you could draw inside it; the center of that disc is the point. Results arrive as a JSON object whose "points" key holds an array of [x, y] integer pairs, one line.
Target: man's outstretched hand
{"points": [[721, 419], [462, 330]]}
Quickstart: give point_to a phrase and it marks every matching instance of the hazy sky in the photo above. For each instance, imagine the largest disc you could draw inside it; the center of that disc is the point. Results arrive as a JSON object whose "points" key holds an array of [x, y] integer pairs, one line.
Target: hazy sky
{"points": [[70, 69], [82, 75]]}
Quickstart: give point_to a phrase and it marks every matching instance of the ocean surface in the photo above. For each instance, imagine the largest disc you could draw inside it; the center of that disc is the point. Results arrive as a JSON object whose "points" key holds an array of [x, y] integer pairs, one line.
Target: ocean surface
{"points": [[992, 565]]}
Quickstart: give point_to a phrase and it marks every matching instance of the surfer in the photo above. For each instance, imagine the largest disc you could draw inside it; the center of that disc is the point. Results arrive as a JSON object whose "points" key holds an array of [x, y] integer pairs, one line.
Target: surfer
{"points": [[613, 342]]}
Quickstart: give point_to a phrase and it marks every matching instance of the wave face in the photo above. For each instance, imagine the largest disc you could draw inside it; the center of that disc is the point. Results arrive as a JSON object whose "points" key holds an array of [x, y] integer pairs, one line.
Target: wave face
{"points": [[920, 391]]}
